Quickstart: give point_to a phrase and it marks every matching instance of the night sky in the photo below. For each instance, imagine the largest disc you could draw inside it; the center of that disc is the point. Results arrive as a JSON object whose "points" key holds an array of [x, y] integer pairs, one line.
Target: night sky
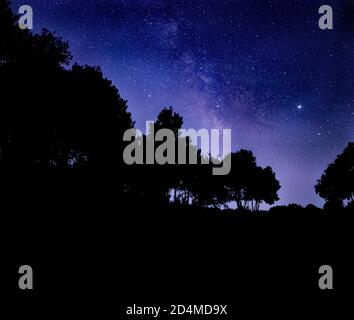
{"points": [[262, 68]]}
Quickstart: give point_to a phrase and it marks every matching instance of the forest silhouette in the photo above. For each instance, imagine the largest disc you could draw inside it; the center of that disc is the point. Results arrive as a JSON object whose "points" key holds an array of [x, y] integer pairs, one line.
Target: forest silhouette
{"points": [[95, 226], [66, 121]]}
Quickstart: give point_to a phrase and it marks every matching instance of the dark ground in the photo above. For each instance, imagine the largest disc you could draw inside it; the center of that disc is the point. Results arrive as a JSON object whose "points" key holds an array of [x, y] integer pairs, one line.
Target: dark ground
{"points": [[93, 255]]}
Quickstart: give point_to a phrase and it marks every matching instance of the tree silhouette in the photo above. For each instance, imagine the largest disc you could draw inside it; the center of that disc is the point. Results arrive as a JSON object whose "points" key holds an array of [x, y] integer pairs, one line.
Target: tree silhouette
{"points": [[243, 163], [169, 119], [92, 121], [60, 117], [249, 184], [263, 187], [337, 182]]}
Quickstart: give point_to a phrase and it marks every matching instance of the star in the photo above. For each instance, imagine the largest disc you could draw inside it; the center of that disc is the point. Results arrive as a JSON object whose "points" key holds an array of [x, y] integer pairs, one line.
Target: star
{"points": [[299, 107]]}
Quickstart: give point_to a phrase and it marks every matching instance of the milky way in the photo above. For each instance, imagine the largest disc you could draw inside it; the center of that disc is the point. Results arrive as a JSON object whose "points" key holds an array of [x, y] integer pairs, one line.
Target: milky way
{"points": [[262, 68]]}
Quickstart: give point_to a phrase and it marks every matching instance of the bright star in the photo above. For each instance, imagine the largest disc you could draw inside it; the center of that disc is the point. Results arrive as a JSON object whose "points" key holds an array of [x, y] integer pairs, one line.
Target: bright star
{"points": [[299, 106]]}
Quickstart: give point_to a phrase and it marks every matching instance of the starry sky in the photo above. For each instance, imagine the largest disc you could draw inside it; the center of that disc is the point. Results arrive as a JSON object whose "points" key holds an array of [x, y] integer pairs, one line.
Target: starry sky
{"points": [[260, 67]]}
